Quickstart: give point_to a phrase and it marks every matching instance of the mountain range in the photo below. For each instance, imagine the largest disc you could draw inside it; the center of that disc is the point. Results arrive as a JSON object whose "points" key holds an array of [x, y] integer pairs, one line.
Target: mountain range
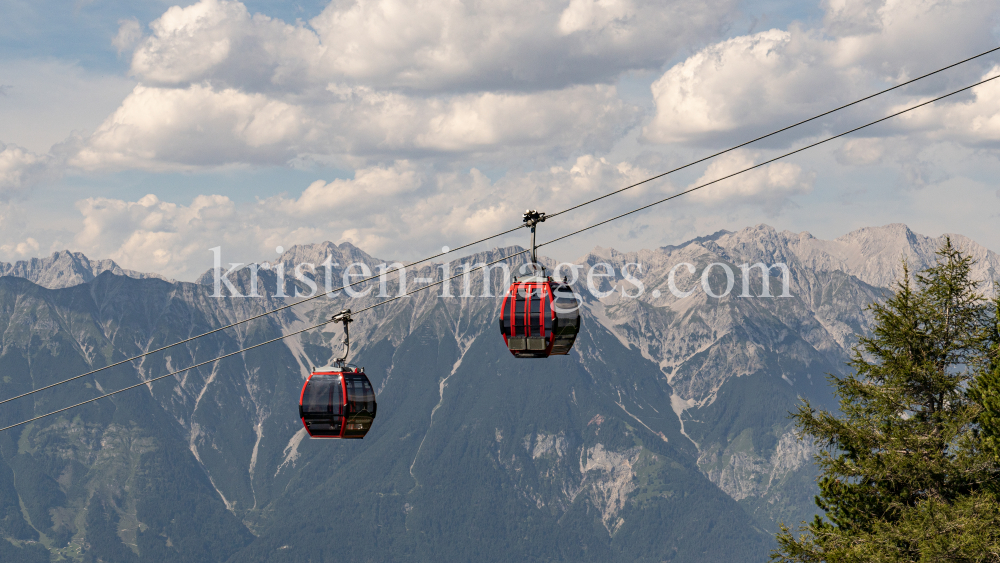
{"points": [[664, 436]]}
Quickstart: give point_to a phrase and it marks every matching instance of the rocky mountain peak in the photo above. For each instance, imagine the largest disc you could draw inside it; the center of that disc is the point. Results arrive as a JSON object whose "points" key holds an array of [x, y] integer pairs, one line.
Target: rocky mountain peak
{"points": [[669, 410], [873, 254], [343, 254], [876, 254], [66, 269]]}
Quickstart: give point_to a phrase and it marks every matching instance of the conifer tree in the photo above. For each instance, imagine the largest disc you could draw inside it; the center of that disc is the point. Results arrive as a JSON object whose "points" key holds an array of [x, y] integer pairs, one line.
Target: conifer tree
{"points": [[909, 468]]}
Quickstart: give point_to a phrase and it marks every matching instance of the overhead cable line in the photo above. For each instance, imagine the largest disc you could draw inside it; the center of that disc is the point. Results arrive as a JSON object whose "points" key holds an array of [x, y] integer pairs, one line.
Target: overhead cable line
{"points": [[438, 255], [147, 381], [578, 231], [241, 350], [782, 130], [769, 161], [248, 319]]}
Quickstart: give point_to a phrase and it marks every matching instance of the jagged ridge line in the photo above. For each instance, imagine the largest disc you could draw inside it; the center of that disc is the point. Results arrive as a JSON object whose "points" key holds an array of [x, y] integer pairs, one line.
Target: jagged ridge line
{"points": [[140, 384], [255, 317], [769, 161], [283, 307], [380, 303]]}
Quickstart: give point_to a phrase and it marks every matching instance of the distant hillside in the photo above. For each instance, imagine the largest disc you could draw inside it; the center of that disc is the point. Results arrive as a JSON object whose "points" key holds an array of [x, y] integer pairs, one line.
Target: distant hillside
{"points": [[663, 436]]}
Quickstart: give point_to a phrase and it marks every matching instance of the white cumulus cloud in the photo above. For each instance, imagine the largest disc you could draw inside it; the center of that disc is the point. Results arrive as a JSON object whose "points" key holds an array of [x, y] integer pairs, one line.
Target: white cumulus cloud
{"points": [[770, 187], [428, 208], [861, 152], [195, 126], [156, 236], [427, 45], [19, 169], [129, 35], [158, 127], [22, 249], [974, 121], [219, 41], [751, 84]]}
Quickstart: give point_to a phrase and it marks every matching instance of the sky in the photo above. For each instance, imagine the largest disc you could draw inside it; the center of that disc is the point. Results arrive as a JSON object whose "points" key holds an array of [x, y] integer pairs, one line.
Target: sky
{"points": [[149, 132]]}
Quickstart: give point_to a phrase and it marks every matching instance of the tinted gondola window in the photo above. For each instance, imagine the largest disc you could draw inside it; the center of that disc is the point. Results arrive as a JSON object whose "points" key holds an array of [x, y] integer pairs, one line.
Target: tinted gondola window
{"points": [[535, 314], [564, 305], [518, 320], [565, 300], [322, 396], [360, 395]]}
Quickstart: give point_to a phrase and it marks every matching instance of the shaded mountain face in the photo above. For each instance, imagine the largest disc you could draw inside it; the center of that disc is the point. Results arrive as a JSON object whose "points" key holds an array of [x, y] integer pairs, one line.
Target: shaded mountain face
{"points": [[662, 437]]}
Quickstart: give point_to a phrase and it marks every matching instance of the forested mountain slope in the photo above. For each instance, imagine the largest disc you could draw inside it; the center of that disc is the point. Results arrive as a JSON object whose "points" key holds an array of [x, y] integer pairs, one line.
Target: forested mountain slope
{"points": [[663, 436]]}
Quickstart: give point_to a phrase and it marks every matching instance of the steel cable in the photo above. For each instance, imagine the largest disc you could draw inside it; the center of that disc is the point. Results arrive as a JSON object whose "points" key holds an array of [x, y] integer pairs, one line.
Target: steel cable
{"points": [[283, 307]]}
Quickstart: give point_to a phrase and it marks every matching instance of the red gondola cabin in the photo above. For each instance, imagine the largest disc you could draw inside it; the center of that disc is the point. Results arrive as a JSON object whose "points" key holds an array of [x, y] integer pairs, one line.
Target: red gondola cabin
{"points": [[539, 318], [337, 402]]}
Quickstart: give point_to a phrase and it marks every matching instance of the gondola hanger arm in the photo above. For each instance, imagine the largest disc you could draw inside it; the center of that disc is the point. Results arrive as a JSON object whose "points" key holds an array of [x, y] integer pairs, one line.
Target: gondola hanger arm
{"points": [[567, 210], [535, 220], [531, 219], [344, 317]]}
